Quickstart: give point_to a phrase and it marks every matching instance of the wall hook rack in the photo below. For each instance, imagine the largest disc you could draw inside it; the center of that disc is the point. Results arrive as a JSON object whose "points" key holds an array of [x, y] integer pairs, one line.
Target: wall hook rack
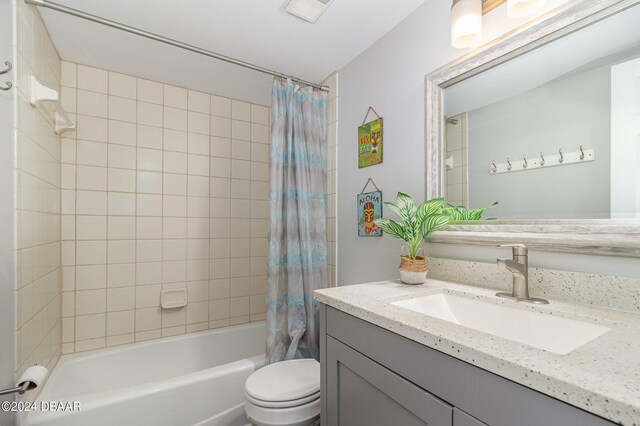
{"points": [[560, 159]]}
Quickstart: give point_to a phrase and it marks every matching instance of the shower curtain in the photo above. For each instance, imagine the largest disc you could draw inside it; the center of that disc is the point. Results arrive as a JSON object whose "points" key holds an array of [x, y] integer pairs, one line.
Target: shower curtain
{"points": [[297, 262]]}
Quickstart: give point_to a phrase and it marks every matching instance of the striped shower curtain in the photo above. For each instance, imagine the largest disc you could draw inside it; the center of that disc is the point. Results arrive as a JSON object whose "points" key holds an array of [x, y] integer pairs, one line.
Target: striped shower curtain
{"points": [[297, 262]]}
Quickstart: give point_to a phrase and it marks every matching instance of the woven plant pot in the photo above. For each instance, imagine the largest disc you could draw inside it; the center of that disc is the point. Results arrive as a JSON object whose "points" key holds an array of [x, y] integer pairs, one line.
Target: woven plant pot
{"points": [[412, 271]]}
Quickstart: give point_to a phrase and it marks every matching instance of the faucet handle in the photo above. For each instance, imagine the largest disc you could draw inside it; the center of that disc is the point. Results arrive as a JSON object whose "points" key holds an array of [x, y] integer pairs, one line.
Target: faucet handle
{"points": [[518, 249]]}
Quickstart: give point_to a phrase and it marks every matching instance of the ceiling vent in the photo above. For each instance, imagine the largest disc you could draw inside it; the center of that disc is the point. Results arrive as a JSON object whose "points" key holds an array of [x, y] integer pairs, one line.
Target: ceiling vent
{"points": [[309, 10]]}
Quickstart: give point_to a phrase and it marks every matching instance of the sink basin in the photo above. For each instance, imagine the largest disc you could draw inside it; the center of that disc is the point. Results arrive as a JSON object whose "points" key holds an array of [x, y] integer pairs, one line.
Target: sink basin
{"points": [[553, 334]]}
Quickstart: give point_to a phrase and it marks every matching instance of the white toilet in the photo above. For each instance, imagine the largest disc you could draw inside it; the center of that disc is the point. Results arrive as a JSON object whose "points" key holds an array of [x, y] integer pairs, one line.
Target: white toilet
{"points": [[286, 393]]}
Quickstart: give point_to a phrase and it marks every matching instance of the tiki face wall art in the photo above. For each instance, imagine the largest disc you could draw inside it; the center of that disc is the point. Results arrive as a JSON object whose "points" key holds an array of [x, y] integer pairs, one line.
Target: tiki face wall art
{"points": [[370, 143], [369, 209]]}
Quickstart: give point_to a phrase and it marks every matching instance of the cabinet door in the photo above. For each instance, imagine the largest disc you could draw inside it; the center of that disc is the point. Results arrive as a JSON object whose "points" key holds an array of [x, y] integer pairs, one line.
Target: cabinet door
{"points": [[361, 392], [460, 418]]}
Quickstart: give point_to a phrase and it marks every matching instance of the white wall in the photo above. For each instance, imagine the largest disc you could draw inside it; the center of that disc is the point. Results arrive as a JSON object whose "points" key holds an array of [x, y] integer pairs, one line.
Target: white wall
{"points": [[7, 258], [390, 77]]}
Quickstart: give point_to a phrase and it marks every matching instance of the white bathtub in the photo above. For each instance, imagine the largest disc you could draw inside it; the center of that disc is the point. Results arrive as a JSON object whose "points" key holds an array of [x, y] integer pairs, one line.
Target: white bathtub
{"points": [[192, 379]]}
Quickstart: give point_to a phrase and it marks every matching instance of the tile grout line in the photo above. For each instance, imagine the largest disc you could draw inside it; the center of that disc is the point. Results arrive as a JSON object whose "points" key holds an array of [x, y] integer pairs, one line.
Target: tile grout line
{"points": [[106, 194]]}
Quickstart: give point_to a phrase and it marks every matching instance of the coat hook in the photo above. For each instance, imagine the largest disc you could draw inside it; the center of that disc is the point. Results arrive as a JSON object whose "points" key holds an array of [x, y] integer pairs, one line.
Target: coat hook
{"points": [[494, 168], [581, 153], [561, 160], [7, 69], [541, 159], [7, 84], [525, 164], [509, 166]]}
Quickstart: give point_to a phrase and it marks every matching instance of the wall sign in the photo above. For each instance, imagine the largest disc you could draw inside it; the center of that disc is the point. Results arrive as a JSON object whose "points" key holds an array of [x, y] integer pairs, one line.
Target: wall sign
{"points": [[369, 209], [370, 141]]}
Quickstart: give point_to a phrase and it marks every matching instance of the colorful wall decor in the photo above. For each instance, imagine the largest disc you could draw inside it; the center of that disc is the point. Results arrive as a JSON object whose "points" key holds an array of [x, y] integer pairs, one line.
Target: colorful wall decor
{"points": [[370, 141], [369, 209]]}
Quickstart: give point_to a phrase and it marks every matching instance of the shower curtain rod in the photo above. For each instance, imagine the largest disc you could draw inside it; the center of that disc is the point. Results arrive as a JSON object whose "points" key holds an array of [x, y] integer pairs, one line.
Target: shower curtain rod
{"points": [[103, 21]]}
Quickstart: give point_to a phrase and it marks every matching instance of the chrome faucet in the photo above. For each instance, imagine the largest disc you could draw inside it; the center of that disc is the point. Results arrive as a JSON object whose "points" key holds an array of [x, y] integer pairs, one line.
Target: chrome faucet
{"points": [[519, 267]]}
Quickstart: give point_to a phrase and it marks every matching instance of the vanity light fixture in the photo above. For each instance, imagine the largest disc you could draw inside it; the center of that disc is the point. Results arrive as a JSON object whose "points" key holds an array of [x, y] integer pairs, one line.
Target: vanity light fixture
{"points": [[466, 17], [466, 23], [521, 8]]}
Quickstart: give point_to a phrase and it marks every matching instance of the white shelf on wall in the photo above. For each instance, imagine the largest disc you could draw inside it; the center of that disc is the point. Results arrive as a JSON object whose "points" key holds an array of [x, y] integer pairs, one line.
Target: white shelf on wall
{"points": [[48, 100]]}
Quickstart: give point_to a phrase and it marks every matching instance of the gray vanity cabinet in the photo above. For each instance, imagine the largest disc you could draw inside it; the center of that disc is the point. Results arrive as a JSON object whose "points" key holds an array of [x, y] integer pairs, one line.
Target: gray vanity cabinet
{"points": [[460, 418], [373, 377], [369, 394]]}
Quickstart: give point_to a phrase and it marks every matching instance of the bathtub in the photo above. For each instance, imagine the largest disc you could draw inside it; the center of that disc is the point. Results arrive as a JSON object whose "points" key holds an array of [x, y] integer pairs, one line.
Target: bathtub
{"points": [[192, 379]]}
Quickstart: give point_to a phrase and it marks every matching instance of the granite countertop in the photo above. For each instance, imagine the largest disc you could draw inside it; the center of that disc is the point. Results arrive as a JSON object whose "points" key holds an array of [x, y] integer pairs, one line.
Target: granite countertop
{"points": [[602, 376]]}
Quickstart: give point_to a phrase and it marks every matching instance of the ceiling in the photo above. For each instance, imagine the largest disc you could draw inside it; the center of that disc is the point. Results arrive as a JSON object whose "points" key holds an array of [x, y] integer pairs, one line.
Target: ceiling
{"points": [[256, 31]]}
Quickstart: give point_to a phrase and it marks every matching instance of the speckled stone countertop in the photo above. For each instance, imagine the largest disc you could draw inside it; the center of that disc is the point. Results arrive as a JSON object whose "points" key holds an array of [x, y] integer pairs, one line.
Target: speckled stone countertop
{"points": [[602, 377]]}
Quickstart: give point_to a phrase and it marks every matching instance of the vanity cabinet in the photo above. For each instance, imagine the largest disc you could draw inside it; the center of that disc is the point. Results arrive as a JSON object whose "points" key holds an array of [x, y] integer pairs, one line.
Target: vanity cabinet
{"points": [[372, 376], [366, 393]]}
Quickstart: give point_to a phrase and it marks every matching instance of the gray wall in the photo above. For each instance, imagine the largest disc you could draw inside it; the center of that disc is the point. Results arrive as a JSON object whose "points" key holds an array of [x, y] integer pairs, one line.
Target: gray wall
{"points": [[7, 264], [564, 113], [390, 77]]}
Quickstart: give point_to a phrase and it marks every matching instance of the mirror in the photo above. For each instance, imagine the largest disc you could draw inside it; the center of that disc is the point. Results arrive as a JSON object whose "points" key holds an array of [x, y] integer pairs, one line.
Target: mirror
{"points": [[566, 80], [552, 133]]}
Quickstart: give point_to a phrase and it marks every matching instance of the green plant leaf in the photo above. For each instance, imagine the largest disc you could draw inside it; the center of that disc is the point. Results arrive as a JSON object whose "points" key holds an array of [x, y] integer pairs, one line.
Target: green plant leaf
{"points": [[428, 208], [433, 223], [474, 214], [394, 209], [460, 213], [425, 210], [406, 207], [391, 227], [454, 213]]}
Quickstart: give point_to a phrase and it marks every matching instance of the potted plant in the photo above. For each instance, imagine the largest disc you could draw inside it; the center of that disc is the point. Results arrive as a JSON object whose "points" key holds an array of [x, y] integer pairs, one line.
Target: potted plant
{"points": [[418, 222]]}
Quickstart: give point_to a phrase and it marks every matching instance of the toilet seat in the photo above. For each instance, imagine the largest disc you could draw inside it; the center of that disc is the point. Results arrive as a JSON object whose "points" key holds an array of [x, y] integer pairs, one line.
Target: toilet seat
{"points": [[284, 393], [282, 404]]}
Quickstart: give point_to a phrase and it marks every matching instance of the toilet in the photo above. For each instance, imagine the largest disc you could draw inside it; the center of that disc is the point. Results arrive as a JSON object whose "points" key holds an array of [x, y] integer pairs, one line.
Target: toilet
{"points": [[286, 393]]}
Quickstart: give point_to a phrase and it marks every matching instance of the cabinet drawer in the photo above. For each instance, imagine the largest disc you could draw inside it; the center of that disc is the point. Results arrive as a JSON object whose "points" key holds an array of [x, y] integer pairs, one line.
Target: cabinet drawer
{"points": [[361, 392]]}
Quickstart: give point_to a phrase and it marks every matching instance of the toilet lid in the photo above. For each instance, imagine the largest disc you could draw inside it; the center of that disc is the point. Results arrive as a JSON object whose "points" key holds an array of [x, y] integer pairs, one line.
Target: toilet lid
{"points": [[284, 381]]}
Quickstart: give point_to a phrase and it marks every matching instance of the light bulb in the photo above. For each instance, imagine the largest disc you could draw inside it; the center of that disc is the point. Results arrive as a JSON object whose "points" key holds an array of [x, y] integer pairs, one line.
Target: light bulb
{"points": [[466, 23], [521, 8]]}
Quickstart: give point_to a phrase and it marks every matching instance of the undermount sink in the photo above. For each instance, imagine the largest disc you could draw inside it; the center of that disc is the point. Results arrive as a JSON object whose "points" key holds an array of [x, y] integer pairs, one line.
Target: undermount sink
{"points": [[553, 334]]}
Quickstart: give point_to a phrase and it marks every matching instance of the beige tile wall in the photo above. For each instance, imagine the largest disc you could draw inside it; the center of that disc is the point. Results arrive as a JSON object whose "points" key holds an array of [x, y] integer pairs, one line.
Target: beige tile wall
{"points": [[332, 169], [456, 147], [163, 188], [37, 202]]}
